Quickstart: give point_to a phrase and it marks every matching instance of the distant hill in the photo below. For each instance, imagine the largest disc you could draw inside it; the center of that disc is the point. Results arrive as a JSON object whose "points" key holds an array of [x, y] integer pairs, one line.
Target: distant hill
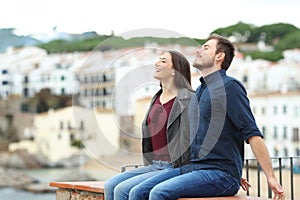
{"points": [[280, 36], [8, 39]]}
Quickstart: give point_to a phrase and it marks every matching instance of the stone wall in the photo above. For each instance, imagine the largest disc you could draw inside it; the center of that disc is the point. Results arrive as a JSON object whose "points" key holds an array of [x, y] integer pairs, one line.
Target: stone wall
{"points": [[69, 194]]}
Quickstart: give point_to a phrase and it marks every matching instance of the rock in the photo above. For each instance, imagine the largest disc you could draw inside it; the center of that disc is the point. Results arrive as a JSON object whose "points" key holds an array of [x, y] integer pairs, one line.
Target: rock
{"points": [[39, 188], [20, 159], [13, 178], [81, 176]]}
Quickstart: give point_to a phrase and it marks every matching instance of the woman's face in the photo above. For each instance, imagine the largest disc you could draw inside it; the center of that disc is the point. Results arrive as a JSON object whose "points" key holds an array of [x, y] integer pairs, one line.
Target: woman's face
{"points": [[164, 68]]}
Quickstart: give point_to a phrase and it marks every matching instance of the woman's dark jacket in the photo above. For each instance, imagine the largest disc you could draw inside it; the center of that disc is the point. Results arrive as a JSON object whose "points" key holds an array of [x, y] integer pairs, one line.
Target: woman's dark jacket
{"points": [[178, 131]]}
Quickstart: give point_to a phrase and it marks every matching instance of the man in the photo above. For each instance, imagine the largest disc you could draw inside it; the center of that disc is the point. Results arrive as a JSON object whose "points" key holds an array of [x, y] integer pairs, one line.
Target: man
{"points": [[221, 122]]}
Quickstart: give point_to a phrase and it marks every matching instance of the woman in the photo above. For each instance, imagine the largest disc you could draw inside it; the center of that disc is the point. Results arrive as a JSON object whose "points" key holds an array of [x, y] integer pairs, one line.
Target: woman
{"points": [[165, 130]]}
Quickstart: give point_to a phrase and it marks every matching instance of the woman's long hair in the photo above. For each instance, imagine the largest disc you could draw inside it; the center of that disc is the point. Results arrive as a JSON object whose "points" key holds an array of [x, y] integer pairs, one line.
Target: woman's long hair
{"points": [[182, 70]]}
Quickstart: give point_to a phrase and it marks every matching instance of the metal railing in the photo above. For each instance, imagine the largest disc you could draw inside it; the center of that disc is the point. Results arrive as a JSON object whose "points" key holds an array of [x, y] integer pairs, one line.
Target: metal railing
{"points": [[281, 165], [287, 165]]}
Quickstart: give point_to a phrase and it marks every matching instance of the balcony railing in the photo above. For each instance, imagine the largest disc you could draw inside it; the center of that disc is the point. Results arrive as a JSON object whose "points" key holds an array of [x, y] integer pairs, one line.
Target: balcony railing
{"points": [[285, 169]]}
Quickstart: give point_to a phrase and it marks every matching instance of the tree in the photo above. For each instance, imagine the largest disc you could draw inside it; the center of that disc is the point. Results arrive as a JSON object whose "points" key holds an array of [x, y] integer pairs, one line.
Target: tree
{"points": [[276, 32], [290, 41], [44, 100]]}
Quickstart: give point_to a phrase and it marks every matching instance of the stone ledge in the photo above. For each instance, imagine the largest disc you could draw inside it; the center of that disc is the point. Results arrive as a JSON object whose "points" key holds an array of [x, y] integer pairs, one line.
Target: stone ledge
{"points": [[90, 186], [95, 190]]}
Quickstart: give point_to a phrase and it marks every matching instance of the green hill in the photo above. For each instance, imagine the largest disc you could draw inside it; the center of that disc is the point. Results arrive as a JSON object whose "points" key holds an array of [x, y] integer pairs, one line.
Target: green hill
{"points": [[278, 36]]}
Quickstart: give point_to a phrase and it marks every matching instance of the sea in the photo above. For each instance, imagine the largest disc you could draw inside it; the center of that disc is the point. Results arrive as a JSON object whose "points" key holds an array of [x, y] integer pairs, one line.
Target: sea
{"points": [[43, 176], [13, 194]]}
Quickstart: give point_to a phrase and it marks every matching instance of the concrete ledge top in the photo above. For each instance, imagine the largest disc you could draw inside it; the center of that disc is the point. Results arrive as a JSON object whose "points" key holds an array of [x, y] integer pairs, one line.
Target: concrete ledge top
{"points": [[90, 186]]}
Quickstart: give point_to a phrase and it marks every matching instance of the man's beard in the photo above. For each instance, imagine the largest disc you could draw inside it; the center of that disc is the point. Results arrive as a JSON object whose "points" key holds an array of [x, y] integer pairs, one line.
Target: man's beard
{"points": [[206, 65]]}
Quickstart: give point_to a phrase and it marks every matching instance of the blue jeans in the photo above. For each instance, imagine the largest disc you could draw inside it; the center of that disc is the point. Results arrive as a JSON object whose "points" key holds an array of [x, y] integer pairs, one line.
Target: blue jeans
{"points": [[198, 183], [119, 186]]}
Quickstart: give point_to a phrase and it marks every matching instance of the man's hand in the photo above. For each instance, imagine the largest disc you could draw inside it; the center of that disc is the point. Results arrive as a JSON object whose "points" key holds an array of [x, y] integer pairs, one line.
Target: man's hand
{"points": [[245, 184], [276, 188]]}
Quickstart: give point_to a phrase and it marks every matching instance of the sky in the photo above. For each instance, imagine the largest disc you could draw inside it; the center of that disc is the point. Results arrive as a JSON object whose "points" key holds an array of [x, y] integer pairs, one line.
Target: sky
{"points": [[190, 18]]}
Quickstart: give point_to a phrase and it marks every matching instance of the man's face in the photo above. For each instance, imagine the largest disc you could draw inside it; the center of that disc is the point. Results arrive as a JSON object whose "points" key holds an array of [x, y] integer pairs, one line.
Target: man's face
{"points": [[205, 55]]}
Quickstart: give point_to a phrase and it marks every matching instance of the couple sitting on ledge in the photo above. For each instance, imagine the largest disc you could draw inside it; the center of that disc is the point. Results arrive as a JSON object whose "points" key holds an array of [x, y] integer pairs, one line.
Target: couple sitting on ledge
{"points": [[193, 141]]}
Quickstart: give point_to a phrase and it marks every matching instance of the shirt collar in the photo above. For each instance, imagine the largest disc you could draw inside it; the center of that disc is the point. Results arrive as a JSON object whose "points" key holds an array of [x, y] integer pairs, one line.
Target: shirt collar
{"points": [[212, 77]]}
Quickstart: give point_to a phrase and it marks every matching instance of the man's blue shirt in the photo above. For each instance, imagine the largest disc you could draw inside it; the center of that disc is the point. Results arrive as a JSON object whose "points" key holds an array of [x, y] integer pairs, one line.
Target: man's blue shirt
{"points": [[221, 121]]}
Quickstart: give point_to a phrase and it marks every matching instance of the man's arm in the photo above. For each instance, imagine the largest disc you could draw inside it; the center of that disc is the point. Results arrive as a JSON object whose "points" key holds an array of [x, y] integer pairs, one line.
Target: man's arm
{"points": [[262, 155]]}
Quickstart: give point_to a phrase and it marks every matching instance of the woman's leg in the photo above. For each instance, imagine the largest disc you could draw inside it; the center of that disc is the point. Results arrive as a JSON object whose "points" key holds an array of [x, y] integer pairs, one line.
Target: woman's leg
{"points": [[111, 183], [141, 191], [122, 190], [200, 183]]}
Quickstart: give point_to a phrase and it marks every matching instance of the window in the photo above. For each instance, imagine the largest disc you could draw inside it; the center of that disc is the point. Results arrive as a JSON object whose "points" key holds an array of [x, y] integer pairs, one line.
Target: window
{"points": [[276, 152], [25, 92], [295, 134], [284, 132], [72, 137], [264, 131], [275, 132], [62, 78], [81, 125], [284, 109], [24, 107], [4, 71], [69, 125], [295, 111], [245, 79], [286, 152], [61, 125], [26, 79], [263, 110], [275, 109], [297, 152]]}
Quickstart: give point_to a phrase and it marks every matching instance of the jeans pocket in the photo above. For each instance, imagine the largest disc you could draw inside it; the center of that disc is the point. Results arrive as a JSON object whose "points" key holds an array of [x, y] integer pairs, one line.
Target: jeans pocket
{"points": [[230, 185]]}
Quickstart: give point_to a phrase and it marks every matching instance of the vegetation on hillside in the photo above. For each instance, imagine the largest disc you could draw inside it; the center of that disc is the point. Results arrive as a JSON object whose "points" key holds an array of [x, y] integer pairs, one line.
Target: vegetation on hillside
{"points": [[45, 100], [280, 36]]}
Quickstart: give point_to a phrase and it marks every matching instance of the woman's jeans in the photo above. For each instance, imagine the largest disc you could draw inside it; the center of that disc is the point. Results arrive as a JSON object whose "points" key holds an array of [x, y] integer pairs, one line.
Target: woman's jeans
{"points": [[137, 183], [198, 183]]}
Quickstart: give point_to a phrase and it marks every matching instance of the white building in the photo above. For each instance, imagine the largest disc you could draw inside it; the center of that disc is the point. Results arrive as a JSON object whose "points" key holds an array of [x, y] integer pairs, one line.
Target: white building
{"points": [[265, 76], [278, 117], [27, 70], [57, 134], [14, 63], [52, 72]]}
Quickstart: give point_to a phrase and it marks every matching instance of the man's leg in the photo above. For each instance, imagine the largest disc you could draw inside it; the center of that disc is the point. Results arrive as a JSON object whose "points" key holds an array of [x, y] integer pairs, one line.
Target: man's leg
{"points": [[200, 183]]}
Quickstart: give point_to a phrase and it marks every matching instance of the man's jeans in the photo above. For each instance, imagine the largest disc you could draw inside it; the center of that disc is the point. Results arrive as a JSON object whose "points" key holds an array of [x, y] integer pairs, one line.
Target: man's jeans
{"points": [[198, 183], [137, 183]]}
